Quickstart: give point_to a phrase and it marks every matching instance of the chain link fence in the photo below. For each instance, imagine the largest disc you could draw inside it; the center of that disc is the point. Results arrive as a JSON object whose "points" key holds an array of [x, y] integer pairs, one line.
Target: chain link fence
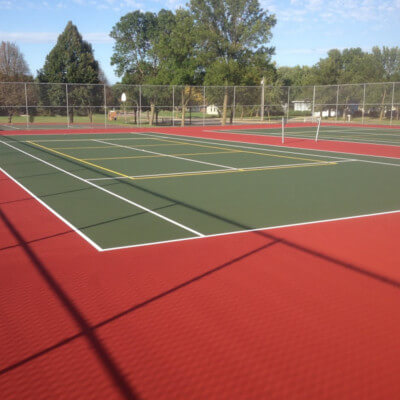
{"points": [[55, 105]]}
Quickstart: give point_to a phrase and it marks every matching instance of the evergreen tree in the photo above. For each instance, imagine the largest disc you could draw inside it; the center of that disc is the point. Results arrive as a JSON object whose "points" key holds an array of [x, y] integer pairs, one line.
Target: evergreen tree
{"points": [[71, 61]]}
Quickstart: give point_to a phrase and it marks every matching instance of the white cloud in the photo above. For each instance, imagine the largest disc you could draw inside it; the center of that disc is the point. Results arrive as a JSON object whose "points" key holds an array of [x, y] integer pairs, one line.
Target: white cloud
{"points": [[334, 10]]}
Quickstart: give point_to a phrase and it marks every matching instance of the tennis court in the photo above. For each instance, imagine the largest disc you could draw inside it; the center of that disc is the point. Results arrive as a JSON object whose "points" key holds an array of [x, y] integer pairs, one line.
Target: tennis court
{"points": [[130, 189], [330, 131], [187, 264]]}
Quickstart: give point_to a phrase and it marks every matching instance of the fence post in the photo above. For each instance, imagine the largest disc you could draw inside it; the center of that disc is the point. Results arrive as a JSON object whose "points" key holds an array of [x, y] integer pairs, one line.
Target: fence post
{"points": [[337, 103], [204, 106], [66, 95], [234, 105], [105, 106], [288, 103], [363, 107], [173, 105], [262, 98], [140, 105], [26, 107], [313, 102], [391, 108]]}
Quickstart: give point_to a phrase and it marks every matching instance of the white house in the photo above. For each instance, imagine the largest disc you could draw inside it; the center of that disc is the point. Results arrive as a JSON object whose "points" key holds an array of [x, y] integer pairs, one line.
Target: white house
{"points": [[302, 105], [325, 113], [212, 110]]}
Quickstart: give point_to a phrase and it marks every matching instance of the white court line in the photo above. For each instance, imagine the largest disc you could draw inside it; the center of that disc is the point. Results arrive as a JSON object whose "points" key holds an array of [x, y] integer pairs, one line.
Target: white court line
{"points": [[377, 162], [164, 155], [209, 141], [238, 170], [86, 140], [172, 174], [338, 131], [293, 135], [9, 126], [73, 227], [109, 192], [256, 230]]}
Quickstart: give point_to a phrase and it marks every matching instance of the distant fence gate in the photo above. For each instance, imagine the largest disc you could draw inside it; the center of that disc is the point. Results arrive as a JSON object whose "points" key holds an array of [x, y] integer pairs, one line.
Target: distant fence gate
{"points": [[56, 105]]}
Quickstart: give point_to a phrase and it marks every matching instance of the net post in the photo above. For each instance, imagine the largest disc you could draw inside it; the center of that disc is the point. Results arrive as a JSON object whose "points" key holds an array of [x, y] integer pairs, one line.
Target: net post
{"points": [[283, 129], [318, 127], [26, 107]]}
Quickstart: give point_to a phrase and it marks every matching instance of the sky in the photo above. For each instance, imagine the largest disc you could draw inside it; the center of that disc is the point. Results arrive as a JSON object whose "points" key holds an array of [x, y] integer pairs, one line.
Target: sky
{"points": [[305, 31]]}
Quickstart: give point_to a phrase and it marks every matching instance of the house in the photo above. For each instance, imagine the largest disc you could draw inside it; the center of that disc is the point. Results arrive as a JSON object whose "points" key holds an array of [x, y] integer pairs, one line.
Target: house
{"points": [[302, 105], [212, 110], [325, 113]]}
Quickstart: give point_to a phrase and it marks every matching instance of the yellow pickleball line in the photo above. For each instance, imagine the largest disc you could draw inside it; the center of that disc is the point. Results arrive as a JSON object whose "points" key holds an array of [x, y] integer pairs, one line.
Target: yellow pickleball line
{"points": [[233, 171], [166, 155], [243, 151], [80, 148]]}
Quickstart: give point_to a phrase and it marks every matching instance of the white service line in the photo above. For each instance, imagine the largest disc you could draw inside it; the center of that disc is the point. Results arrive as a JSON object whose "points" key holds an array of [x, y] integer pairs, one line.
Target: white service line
{"points": [[172, 174], [10, 126], [73, 227], [377, 162], [294, 135], [338, 131], [238, 170], [164, 155], [109, 192], [210, 141], [88, 139], [258, 229], [285, 151]]}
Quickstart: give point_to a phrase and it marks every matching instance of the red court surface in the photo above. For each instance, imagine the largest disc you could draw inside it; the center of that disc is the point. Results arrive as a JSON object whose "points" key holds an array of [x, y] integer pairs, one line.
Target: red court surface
{"points": [[305, 312]]}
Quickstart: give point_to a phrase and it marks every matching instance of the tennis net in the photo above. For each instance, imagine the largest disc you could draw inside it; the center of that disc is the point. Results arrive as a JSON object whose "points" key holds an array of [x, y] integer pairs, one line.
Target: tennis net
{"points": [[299, 125]]}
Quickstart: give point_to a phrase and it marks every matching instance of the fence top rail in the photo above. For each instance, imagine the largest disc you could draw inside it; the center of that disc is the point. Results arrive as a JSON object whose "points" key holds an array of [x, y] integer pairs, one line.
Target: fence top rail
{"points": [[197, 86]]}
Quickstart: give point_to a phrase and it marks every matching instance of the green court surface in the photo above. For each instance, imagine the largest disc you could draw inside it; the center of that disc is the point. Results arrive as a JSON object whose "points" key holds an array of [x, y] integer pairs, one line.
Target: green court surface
{"points": [[130, 189], [361, 134]]}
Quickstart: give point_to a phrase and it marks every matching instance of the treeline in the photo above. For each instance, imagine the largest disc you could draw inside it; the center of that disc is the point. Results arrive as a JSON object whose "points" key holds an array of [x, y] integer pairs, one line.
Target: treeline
{"points": [[347, 66]]}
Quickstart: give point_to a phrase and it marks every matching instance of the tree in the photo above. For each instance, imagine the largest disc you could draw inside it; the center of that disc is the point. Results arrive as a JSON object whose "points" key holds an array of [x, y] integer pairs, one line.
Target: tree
{"points": [[157, 49], [134, 58], [179, 64], [12, 62], [233, 35], [13, 69], [71, 61], [134, 35], [294, 76]]}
